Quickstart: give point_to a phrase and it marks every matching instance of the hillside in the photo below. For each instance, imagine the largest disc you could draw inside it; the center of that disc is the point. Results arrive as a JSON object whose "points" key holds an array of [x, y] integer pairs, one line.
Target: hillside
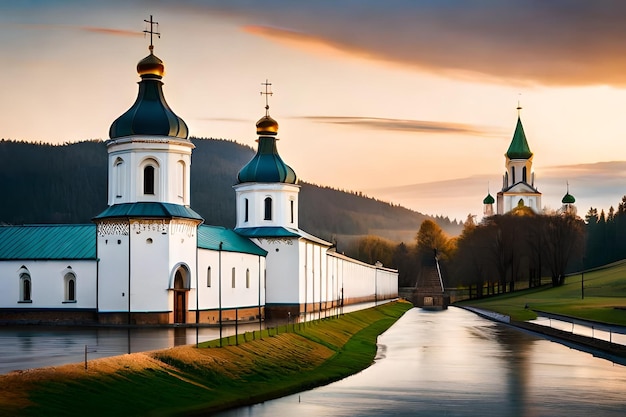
{"points": [[42, 183]]}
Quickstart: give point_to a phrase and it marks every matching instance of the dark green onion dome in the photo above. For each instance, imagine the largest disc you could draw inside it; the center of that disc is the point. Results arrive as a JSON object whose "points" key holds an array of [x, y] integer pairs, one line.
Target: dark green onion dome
{"points": [[267, 165], [150, 115], [568, 199], [489, 199], [519, 146]]}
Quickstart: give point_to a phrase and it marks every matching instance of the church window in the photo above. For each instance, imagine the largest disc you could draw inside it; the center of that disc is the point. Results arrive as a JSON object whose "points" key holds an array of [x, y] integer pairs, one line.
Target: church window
{"points": [[246, 210], [148, 180], [208, 277], [291, 206], [524, 174], [520, 203], [180, 179], [25, 288], [233, 277], [512, 175], [70, 287], [119, 177], [268, 208], [247, 278]]}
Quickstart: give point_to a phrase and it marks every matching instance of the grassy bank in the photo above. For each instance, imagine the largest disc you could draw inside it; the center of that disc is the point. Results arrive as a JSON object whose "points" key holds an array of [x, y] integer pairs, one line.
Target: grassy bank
{"points": [[188, 381], [604, 298]]}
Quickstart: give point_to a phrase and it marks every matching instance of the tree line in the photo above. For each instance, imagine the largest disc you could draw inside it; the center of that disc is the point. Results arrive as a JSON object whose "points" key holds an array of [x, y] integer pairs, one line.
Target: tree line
{"points": [[489, 257]]}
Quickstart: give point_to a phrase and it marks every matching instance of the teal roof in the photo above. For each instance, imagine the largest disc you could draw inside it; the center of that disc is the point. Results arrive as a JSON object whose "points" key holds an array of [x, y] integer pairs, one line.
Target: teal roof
{"points": [[489, 199], [568, 199], [274, 231], [209, 237], [48, 242], [519, 149], [149, 209], [278, 231], [150, 115], [267, 165]]}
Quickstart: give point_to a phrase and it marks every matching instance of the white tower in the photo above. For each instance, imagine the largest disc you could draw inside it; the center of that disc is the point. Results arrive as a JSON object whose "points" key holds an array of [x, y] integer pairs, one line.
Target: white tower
{"points": [[147, 236]]}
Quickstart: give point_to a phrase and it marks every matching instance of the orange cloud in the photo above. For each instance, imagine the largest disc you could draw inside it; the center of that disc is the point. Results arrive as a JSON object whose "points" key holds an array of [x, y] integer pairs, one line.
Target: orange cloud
{"points": [[560, 42], [404, 125]]}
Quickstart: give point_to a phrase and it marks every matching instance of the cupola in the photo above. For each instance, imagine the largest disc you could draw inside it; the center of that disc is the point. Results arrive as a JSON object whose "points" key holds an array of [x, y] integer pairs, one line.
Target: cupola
{"points": [[267, 166], [150, 115]]}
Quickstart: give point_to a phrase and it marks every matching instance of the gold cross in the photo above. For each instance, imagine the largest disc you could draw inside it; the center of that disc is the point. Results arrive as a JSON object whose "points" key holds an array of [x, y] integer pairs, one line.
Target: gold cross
{"points": [[267, 93], [152, 31]]}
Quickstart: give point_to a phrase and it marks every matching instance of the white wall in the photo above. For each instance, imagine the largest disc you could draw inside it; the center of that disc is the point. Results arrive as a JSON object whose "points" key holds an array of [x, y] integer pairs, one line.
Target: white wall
{"points": [[240, 296], [48, 283]]}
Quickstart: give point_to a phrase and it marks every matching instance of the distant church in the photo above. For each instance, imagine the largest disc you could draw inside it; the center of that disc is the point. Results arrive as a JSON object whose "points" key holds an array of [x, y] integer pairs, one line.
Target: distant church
{"points": [[518, 181], [149, 259]]}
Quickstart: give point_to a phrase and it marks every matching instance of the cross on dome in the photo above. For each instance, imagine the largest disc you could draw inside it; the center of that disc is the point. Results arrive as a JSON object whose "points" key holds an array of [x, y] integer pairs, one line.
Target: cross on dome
{"points": [[267, 93], [151, 31]]}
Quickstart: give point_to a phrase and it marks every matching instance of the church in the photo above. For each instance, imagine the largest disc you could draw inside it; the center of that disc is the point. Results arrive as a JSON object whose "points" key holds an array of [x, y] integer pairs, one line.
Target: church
{"points": [[149, 259], [518, 181]]}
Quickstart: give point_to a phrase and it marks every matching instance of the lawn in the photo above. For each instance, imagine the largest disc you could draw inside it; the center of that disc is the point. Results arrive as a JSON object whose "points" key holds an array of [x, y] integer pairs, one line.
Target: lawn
{"points": [[604, 298]]}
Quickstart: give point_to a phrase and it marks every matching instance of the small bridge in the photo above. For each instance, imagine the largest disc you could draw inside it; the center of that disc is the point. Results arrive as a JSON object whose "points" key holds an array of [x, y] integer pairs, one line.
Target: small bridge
{"points": [[429, 292]]}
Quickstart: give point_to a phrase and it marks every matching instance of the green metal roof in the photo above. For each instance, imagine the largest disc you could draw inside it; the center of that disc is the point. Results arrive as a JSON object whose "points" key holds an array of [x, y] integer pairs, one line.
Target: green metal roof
{"points": [[150, 114], [519, 149], [267, 165], [209, 237], [568, 199], [149, 209], [489, 199], [48, 242], [278, 231]]}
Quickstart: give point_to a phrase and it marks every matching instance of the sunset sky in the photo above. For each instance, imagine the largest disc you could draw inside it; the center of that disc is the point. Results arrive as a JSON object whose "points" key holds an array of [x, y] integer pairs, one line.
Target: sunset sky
{"points": [[409, 101]]}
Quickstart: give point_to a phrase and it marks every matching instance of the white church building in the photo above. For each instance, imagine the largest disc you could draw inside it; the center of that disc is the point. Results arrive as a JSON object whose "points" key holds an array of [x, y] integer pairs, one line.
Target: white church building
{"points": [[148, 258]]}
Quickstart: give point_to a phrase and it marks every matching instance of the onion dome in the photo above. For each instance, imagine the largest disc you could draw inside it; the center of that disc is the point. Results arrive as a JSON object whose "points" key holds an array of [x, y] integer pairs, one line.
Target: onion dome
{"points": [[519, 148], [568, 199], [150, 115], [267, 165], [489, 199], [266, 126]]}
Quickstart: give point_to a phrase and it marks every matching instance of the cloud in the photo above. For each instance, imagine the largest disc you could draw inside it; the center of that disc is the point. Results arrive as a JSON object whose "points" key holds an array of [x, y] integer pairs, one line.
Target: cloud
{"points": [[557, 42], [412, 126], [92, 29], [110, 31]]}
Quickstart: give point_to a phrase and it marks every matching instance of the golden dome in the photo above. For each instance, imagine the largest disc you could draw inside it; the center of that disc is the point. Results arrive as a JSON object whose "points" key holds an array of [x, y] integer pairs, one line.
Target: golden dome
{"points": [[151, 65], [266, 126]]}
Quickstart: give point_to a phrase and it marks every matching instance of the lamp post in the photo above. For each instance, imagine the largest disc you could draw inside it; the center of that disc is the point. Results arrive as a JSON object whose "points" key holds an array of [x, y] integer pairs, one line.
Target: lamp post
{"points": [[220, 289], [582, 281]]}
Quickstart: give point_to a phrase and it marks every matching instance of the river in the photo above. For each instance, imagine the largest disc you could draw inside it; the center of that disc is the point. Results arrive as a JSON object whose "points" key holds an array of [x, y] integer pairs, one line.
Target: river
{"points": [[454, 363]]}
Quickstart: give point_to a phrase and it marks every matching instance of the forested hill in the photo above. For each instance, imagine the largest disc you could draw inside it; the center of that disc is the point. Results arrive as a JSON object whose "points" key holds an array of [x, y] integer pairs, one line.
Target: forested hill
{"points": [[42, 183]]}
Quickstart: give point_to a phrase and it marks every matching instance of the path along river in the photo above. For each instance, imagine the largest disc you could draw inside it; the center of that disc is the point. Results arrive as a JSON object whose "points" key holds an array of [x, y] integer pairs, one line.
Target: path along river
{"points": [[455, 363]]}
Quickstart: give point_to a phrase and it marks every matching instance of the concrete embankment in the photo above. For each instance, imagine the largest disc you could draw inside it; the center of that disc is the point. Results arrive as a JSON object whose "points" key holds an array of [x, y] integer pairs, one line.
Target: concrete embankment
{"points": [[197, 381], [586, 343]]}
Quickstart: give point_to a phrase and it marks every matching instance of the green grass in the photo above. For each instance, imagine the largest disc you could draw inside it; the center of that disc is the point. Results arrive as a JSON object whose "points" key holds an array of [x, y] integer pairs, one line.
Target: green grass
{"points": [[188, 381], [604, 290]]}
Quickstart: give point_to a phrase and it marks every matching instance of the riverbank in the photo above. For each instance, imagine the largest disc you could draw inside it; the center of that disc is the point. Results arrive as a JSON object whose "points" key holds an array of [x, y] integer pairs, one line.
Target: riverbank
{"points": [[196, 381], [595, 346]]}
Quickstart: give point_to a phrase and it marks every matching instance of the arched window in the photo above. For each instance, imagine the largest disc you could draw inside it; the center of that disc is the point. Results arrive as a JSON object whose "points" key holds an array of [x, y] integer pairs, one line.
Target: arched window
{"points": [[524, 174], [246, 210], [119, 177], [268, 208], [208, 277], [180, 179], [70, 287], [148, 180], [512, 175], [247, 278], [233, 278], [291, 207], [25, 288]]}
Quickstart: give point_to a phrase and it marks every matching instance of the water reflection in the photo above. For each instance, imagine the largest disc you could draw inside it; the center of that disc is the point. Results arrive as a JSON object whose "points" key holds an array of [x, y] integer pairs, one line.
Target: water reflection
{"points": [[454, 363]]}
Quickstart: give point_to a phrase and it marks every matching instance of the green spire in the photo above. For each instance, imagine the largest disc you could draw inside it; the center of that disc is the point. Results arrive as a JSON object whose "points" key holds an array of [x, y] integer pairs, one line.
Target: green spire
{"points": [[519, 146], [489, 199]]}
